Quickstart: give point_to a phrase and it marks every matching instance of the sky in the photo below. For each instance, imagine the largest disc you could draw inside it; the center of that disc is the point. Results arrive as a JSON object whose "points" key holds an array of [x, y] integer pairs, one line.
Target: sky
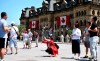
{"points": [[14, 7]]}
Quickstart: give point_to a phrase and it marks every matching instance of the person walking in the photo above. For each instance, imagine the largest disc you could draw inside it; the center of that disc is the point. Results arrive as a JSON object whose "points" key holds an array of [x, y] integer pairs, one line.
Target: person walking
{"points": [[93, 38], [4, 29], [62, 38], [86, 38], [36, 38], [76, 34], [13, 37], [30, 37], [67, 38]]}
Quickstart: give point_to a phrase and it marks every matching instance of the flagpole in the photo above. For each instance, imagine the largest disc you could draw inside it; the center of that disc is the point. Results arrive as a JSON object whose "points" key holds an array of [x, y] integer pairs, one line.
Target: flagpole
{"points": [[54, 29], [54, 25]]}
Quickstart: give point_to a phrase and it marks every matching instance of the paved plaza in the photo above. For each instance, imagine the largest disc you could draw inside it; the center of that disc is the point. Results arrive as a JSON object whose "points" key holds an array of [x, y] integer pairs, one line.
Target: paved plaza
{"points": [[39, 54]]}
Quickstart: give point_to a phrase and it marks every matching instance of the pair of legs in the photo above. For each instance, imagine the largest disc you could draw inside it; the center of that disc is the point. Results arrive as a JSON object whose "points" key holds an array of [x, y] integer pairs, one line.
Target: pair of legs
{"points": [[36, 42], [93, 46], [87, 49], [76, 54], [12, 50], [2, 52], [24, 43], [13, 43], [28, 44], [76, 47], [3, 42], [62, 40], [87, 46], [6, 50]]}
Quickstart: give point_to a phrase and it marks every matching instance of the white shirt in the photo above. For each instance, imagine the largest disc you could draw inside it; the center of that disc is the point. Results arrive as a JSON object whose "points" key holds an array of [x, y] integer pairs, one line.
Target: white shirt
{"points": [[77, 33], [61, 36], [13, 32], [3, 23]]}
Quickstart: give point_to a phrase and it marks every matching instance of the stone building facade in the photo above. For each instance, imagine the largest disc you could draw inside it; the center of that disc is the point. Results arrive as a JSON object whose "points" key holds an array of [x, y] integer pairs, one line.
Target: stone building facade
{"points": [[79, 11]]}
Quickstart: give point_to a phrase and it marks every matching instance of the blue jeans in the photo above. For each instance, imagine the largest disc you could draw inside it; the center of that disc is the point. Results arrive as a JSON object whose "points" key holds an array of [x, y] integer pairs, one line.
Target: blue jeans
{"points": [[93, 45]]}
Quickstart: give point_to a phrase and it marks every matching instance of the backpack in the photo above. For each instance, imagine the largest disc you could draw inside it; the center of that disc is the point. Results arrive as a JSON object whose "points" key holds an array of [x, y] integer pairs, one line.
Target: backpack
{"points": [[56, 46]]}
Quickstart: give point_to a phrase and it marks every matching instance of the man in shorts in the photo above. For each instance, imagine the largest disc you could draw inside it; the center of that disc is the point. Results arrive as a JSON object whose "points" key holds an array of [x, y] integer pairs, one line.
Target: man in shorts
{"points": [[13, 37], [3, 35], [86, 39]]}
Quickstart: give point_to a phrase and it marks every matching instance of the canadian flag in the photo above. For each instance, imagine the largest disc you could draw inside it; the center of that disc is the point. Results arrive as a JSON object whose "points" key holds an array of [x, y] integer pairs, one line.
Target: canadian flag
{"points": [[34, 24], [63, 20]]}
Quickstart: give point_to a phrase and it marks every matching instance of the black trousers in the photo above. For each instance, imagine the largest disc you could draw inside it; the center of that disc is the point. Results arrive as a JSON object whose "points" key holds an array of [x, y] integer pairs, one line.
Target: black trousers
{"points": [[49, 51], [76, 46]]}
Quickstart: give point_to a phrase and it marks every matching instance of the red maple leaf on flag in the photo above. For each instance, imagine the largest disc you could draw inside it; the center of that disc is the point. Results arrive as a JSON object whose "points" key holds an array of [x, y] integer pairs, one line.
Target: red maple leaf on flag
{"points": [[63, 20]]}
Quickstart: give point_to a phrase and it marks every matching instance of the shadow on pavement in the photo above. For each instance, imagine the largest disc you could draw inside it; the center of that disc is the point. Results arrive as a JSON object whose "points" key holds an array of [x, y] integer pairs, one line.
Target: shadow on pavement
{"points": [[27, 60], [8, 54], [82, 59], [44, 56], [42, 50], [67, 58]]}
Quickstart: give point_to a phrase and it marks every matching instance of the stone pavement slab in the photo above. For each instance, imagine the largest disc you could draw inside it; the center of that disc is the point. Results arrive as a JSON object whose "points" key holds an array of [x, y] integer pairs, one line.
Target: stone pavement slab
{"points": [[39, 54]]}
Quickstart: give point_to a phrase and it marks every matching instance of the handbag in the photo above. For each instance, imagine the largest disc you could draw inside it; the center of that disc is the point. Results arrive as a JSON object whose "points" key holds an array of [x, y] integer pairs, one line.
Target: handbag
{"points": [[18, 36]]}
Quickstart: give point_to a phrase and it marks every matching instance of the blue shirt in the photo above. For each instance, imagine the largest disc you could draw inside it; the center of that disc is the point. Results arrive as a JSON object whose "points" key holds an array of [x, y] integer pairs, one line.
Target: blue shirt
{"points": [[3, 24]]}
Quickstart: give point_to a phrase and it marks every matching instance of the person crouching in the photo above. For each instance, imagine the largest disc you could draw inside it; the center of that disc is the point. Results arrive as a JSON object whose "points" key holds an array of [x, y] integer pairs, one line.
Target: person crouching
{"points": [[51, 47]]}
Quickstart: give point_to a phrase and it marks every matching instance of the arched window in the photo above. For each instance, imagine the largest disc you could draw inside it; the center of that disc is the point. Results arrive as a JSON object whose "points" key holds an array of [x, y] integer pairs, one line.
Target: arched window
{"points": [[76, 14], [79, 13], [98, 13], [84, 22], [93, 12], [81, 24], [84, 12], [98, 23]]}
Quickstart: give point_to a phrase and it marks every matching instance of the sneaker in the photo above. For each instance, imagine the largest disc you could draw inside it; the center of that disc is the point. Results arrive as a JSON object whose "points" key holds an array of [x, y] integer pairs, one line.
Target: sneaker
{"points": [[73, 57], [2, 60], [78, 58], [85, 57], [11, 53], [90, 57], [36, 46], [16, 53], [95, 59]]}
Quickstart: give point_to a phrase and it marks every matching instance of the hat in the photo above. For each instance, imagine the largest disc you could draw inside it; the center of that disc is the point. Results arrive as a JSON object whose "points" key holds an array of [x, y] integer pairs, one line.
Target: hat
{"points": [[12, 23]]}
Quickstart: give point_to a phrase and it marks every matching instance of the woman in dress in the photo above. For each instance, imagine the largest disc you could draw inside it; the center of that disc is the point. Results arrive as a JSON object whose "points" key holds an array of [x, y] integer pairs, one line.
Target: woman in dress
{"points": [[76, 34], [51, 47]]}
